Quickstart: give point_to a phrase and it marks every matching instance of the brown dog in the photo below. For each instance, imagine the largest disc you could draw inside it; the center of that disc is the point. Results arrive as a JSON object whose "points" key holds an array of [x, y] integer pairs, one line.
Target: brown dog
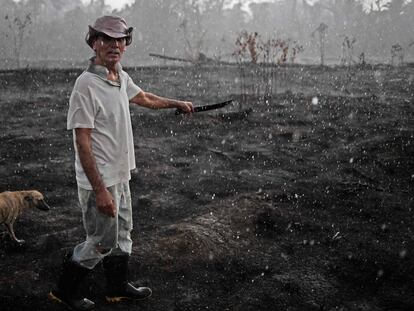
{"points": [[12, 205]]}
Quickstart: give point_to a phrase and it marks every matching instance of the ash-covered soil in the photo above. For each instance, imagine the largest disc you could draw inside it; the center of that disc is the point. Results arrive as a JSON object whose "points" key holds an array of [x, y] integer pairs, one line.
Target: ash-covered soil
{"points": [[300, 202]]}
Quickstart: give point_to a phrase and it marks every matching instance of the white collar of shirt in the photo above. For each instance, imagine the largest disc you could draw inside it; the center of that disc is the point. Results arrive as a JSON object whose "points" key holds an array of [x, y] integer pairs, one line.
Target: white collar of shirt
{"points": [[102, 72]]}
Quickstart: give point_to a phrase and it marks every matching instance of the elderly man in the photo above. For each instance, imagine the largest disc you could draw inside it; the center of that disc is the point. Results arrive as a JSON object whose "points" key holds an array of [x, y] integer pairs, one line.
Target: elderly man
{"points": [[100, 120]]}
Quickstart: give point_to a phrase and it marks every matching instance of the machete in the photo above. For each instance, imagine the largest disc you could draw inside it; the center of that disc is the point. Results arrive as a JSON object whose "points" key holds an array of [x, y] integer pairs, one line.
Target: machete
{"points": [[206, 107]]}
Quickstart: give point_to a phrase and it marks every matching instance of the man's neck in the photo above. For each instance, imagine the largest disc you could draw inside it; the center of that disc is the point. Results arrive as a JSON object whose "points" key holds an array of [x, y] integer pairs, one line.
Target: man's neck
{"points": [[112, 67]]}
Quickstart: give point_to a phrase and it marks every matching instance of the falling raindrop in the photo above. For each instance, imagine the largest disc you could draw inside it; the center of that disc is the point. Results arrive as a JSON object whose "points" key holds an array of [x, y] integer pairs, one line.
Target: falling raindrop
{"points": [[296, 136]]}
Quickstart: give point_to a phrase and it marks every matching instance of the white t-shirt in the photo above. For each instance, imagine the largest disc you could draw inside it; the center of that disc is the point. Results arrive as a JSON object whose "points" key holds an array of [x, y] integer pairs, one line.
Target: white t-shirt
{"points": [[103, 106]]}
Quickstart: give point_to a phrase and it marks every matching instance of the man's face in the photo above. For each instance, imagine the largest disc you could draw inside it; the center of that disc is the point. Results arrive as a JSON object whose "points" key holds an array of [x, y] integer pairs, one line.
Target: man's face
{"points": [[109, 50]]}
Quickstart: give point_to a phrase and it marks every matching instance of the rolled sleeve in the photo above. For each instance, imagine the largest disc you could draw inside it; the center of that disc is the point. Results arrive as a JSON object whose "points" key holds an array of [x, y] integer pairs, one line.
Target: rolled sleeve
{"points": [[81, 113]]}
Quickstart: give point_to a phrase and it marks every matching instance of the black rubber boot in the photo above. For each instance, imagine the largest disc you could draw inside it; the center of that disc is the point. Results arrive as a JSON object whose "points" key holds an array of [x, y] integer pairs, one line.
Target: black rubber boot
{"points": [[66, 293], [118, 288]]}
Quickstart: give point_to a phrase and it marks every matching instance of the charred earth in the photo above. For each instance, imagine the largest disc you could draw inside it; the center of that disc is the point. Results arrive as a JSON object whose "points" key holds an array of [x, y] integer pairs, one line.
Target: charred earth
{"points": [[298, 200]]}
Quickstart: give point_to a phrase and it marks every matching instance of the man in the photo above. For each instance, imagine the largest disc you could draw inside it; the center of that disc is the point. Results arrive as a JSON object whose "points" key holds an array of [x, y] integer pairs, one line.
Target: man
{"points": [[100, 119]]}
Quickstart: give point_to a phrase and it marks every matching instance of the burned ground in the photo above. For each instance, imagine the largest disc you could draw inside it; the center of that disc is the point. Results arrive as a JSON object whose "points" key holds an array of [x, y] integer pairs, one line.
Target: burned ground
{"points": [[302, 201]]}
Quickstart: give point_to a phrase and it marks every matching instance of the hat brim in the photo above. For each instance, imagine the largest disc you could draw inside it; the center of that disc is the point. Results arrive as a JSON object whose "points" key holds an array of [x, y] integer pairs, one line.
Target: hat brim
{"points": [[92, 34]]}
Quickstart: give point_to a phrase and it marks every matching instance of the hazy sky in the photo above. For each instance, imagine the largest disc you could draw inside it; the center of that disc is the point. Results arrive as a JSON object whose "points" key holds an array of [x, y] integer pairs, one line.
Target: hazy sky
{"points": [[118, 4]]}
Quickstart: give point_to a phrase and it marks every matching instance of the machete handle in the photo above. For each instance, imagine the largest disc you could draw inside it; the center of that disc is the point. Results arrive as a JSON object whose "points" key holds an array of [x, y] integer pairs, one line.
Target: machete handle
{"points": [[179, 111]]}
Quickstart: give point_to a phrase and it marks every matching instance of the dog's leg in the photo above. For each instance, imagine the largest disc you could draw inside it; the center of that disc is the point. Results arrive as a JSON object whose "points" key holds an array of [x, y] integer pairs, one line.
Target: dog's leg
{"points": [[12, 235]]}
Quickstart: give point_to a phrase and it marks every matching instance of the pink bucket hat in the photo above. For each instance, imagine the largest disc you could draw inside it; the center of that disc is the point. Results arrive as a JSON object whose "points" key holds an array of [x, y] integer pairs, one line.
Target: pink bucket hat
{"points": [[112, 26]]}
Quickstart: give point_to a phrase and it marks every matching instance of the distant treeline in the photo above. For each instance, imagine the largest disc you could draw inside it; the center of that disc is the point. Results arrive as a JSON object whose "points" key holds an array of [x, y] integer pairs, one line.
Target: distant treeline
{"points": [[51, 32]]}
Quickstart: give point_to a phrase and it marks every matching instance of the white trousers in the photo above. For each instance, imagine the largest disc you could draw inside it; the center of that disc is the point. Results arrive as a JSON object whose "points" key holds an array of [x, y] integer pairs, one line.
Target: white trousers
{"points": [[105, 235]]}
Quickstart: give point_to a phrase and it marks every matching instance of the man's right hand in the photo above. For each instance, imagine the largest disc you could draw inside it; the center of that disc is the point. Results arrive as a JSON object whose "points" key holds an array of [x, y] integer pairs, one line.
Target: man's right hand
{"points": [[105, 202]]}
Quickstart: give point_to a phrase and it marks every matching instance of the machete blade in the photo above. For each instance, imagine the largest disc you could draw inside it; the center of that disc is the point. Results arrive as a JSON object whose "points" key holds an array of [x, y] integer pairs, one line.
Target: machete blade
{"points": [[206, 107]]}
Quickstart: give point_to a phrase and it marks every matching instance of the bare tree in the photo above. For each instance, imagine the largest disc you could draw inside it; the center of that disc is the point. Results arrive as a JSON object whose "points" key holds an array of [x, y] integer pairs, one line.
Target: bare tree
{"points": [[361, 59], [321, 30], [397, 54], [18, 28], [193, 15], [247, 46], [246, 49], [193, 43], [295, 50], [347, 57]]}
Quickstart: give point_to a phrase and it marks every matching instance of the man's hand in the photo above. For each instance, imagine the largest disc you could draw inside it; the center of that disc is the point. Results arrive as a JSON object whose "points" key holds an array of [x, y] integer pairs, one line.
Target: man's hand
{"points": [[105, 202], [186, 107]]}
